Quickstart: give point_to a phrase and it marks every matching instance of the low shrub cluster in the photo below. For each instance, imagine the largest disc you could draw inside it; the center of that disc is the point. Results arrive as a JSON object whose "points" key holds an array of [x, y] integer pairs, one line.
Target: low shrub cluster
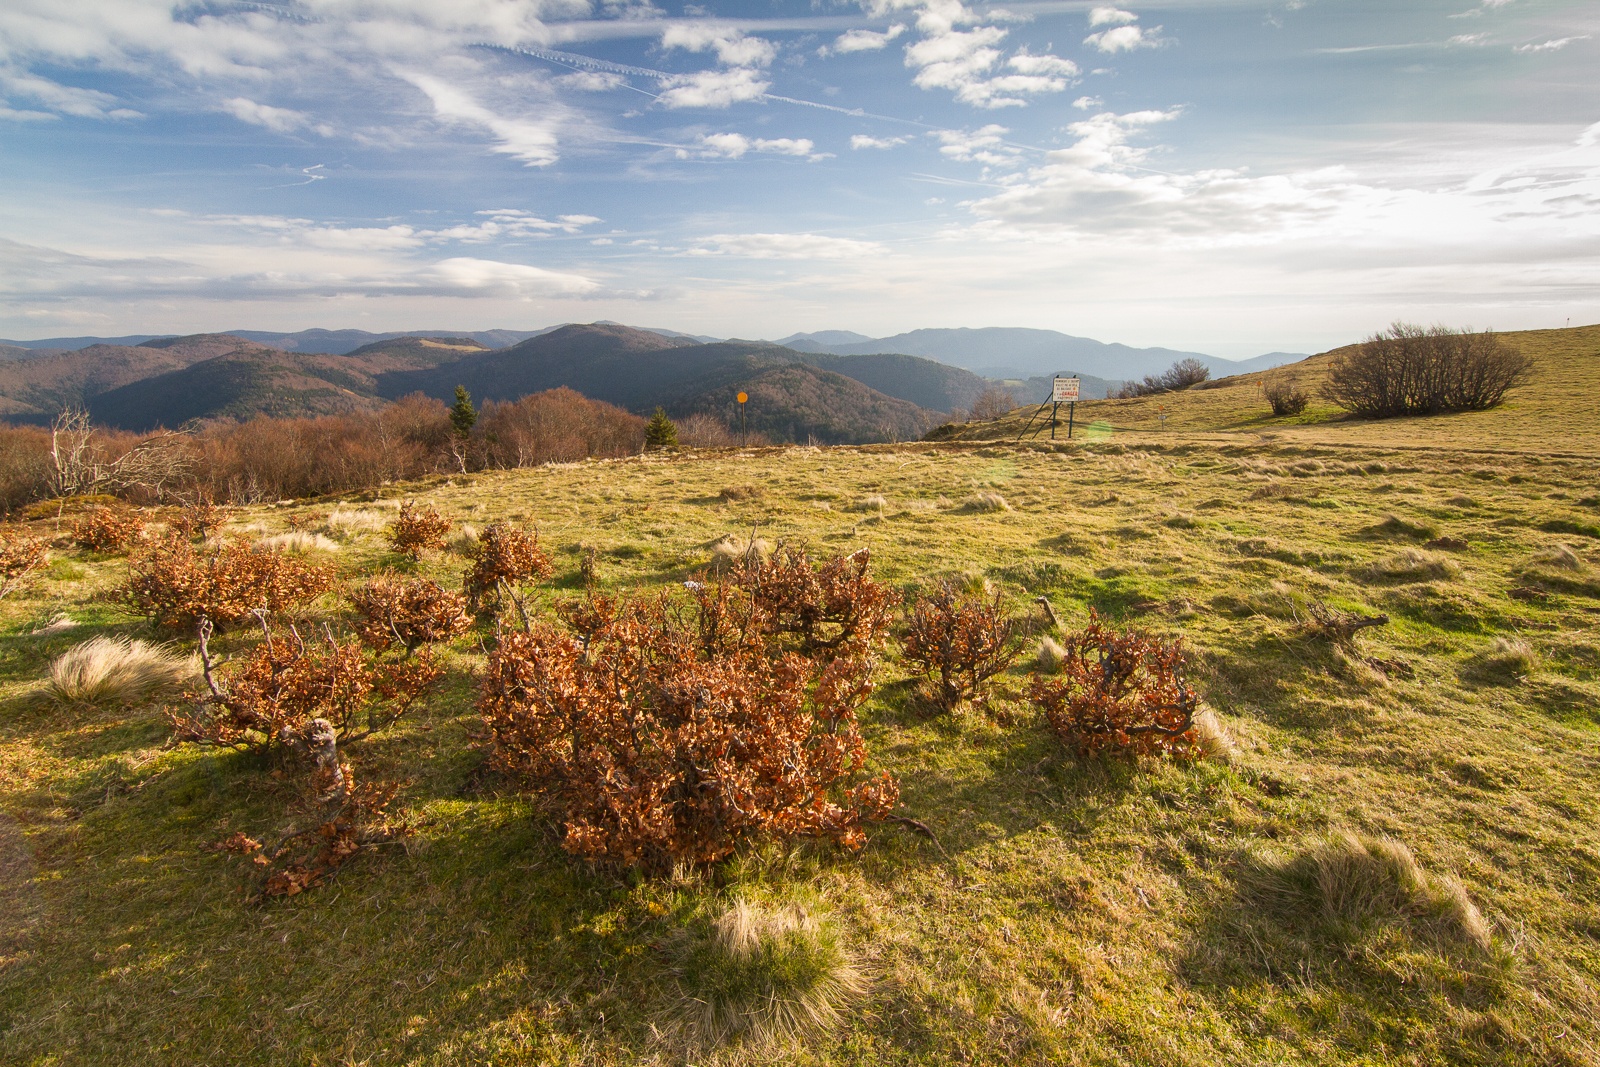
{"points": [[178, 585], [833, 608], [1120, 690], [1416, 370], [1285, 396], [20, 556], [503, 558], [417, 530], [105, 529], [671, 731], [960, 641], [1181, 375], [410, 612]]}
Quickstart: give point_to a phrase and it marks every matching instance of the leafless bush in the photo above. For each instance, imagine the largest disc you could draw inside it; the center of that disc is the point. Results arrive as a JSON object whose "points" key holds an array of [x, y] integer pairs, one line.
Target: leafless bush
{"points": [[1415, 370], [705, 431], [960, 640], [85, 460], [992, 403], [556, 426], [1285, 396]]}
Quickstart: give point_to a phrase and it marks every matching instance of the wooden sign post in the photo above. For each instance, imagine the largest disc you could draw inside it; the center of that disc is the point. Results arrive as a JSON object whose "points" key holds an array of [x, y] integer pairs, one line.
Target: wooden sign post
{"points": [[744, 437]]}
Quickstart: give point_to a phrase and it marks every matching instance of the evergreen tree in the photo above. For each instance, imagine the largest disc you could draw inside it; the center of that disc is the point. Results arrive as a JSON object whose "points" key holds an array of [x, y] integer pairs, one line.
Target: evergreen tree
{"points": [[660, 433], [463, 416]]}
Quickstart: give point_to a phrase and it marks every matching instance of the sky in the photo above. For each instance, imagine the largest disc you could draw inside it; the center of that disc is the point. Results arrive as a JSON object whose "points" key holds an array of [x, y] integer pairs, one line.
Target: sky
{"points": [[1227, 176]]}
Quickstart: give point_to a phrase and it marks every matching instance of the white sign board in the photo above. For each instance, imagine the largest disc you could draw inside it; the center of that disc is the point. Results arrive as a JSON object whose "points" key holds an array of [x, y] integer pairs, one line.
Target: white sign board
{"points": [[1066, 390]]}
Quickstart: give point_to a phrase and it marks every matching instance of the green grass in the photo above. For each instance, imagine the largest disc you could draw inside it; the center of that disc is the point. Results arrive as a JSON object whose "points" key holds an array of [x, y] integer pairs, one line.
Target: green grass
{"points": [[1093, 913]]}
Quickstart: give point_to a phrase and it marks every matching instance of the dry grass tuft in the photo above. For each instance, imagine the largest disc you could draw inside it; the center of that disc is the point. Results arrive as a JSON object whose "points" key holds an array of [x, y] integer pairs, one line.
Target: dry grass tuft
{"points": [[298, 541], [759, 978], [988, 500], [873, 502], [114, 671], [1412, 565], [736, 493], [1560, 557], [1213, 738], [464, 541], [1510, 656], [59, 624], [733, 550], [346, 523], [1355, 880], [1050, 656]]}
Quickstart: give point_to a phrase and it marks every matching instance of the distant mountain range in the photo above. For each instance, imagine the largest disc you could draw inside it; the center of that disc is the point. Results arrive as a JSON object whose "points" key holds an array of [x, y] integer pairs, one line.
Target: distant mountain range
{"points": [[831, 386]]}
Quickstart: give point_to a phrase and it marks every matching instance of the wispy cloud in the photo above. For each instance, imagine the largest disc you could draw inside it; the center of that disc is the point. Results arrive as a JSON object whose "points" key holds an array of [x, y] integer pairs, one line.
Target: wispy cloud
{"points": [[1553, 45], [784, 246]]}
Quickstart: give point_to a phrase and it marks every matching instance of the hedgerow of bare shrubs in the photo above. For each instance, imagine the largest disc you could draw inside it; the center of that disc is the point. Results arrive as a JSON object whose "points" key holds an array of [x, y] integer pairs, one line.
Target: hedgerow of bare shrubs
{"points": [[1120, 690], [417, 530], [20, 556], [177, 584], [409, 612], [831, 607], [960, 641], [106, 529], [672, 732], [503, 558]]}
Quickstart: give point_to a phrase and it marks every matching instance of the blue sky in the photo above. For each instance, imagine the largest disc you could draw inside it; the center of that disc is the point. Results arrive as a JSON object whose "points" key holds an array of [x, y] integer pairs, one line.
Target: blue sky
{"points": [[1219, 175]]}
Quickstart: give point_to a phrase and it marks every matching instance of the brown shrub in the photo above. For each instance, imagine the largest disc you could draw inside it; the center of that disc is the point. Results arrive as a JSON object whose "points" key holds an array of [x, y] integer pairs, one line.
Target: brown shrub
{"points": [[672, 734], [107, 529], [177, 585], [830, 607], [1120, 690], [200, 519], [417, 530], [503, 558], [20, 556], [961, 640], [407, 611], [273, 697], [556, 426]]}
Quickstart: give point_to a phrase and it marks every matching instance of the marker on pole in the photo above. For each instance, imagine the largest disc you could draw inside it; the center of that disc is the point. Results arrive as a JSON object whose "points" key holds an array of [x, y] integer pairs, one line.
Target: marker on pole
{"points": [[744, 437]]}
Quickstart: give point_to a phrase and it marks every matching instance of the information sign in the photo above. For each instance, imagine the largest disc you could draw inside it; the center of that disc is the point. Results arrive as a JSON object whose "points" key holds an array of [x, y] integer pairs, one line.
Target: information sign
{"points": [[1065, 391]]}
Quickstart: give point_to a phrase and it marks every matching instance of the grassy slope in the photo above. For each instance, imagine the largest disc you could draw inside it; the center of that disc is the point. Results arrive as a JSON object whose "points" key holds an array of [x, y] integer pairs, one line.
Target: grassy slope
{"points": [[1554, 412], [1085, 914]]}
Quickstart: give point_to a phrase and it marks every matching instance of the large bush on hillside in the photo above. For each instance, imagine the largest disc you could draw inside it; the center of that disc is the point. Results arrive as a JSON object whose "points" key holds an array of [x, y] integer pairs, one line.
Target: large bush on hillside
{"points": [[556, 426], [1416, 370], [671, 731], [1181, 375], [178, 584]]}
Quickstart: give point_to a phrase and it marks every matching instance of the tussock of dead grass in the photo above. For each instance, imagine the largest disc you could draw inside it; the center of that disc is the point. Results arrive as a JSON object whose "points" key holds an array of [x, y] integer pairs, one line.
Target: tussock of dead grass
{"points": [[1356, 880], [346, 523], [871, 502], [299, 541], [988, 500], [1050, 655], [756, 979], [463, 540], [1560, 557], [1215, 742], [1510, 656], [111, 671], [1412, 565], [731, 550]]}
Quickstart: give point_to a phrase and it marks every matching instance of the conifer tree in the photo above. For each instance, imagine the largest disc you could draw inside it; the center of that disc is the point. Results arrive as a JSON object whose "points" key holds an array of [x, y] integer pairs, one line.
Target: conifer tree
{"points": [[463, 416], [660, 433]]}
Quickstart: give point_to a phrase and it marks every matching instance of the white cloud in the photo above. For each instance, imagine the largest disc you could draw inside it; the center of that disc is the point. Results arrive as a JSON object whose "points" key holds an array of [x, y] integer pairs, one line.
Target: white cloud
{"points": [[785, 246], [963, 61], [737, 145], [592, 81], [714, 88], [861, 140], [985, 145], [1122, 39], [1109, 16], [61, 99], [1554, 45], [1469, 39], [1084, 103], [281, 119], [732, 47], [861, 41], [530, 140], [489, 278]]}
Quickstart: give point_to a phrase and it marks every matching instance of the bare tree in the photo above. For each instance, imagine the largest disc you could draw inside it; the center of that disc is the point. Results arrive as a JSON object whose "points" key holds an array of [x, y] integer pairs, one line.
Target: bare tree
{"points": [[81, 462], [992, 403]]}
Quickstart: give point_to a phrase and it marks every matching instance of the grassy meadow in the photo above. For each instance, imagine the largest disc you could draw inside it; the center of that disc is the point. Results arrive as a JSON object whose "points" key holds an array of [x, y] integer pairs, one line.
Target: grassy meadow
{"points": [[1095, 912]]}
